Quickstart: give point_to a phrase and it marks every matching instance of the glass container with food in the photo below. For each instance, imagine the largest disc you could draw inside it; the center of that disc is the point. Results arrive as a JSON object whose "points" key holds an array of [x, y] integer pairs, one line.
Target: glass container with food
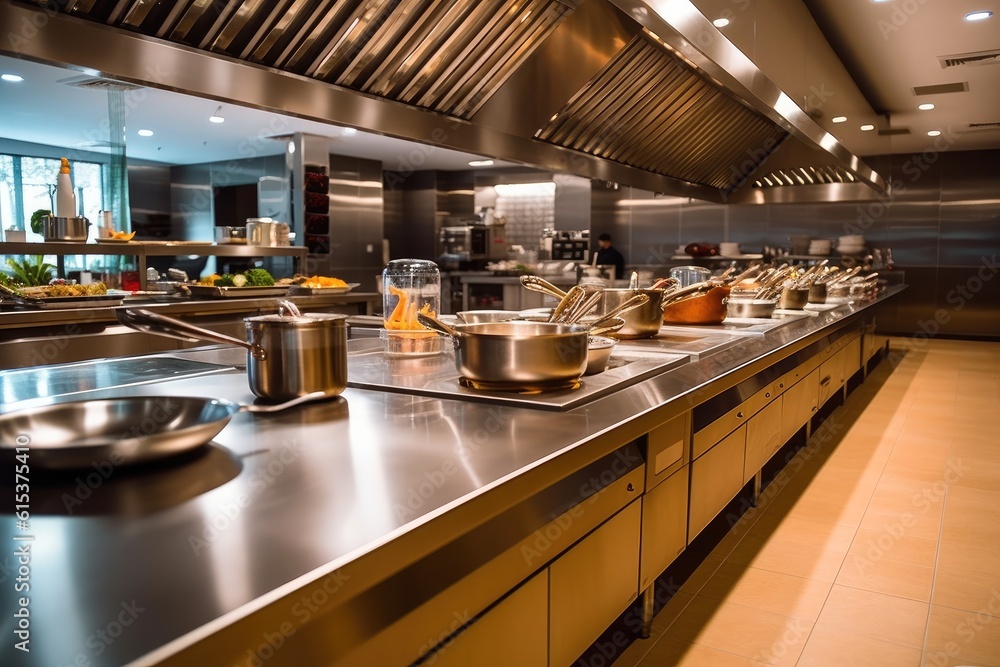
{"points": [[410, 286]]}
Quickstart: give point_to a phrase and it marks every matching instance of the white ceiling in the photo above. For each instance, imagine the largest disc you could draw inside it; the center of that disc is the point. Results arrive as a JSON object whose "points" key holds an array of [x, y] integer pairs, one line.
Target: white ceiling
{"points": [[42, 110]]}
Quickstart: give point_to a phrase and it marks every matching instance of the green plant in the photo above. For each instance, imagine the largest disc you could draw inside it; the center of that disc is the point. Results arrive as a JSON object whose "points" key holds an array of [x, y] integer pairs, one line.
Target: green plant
{"points": [[259, 278], [36, 219], [32, 273]]}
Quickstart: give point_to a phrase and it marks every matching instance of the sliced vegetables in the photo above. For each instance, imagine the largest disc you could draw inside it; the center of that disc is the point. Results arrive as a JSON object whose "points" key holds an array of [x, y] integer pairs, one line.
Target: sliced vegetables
{"points": [[404, 316]]}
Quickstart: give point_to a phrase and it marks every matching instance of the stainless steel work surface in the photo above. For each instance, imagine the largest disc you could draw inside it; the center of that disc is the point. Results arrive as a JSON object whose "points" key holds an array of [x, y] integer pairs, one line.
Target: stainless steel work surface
{"points": [[737, 326], [369, 368], [49, 381], [695, 345]]}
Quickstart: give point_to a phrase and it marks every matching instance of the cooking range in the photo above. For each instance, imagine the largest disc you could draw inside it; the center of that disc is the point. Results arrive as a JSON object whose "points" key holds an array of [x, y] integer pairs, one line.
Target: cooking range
{"points": [[436, 376]]}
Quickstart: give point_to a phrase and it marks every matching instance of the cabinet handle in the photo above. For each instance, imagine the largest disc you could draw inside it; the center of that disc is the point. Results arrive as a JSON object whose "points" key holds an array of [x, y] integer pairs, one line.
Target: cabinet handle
{"points": [[781, 385], [767, 394], [825, 380], [630, 488], [814, 408], [739, 415]]}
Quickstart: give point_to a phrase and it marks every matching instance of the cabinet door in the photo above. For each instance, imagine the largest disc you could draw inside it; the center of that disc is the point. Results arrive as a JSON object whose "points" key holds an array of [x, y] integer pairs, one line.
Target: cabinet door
{"points": [[664, 526], [591, 584], [763, 438], [716, 478], [852, 359], [512, 633], [830, 374], [798, 405]]}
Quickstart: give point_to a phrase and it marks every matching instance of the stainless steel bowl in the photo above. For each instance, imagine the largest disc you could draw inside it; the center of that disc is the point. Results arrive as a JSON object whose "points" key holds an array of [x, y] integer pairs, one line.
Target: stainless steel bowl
{"points": [[116, 431], [599, 349], [751, 308], [521, 352]]}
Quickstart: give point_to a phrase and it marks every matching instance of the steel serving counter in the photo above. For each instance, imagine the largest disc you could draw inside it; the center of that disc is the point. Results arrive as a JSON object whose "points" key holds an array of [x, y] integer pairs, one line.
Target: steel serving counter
{"points": [[327, 533]]}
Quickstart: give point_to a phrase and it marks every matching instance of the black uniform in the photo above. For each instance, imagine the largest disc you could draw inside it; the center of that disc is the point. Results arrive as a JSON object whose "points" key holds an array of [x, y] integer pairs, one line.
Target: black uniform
{"points": [[610, 256]]}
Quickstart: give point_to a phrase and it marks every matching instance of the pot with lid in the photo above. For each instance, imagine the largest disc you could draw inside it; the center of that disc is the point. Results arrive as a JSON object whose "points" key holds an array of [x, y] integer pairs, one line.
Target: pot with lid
{"points": [[288, 354]]}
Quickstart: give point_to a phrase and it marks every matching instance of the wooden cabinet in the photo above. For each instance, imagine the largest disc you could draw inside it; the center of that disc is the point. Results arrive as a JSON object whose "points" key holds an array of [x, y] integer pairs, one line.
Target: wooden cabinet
{"points": [[716, 478], [763, 438], [799, 402], [667, 449], [831, 372], [514, 632], [591, 584], [664, 526], [852, 358]]}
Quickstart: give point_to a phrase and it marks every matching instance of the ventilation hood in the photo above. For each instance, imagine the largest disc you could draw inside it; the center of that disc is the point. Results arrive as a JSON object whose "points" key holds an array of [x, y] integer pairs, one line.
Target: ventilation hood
{"points": [[615, 90]]}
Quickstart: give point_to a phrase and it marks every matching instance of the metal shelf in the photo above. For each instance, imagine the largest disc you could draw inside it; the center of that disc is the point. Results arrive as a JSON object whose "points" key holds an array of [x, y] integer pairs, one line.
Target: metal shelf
{"points": [[143, 249]]}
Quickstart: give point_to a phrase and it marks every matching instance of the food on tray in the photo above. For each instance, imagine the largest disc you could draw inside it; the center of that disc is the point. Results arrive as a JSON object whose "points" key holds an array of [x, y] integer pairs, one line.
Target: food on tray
{"points": [[209, 280], [122, 236], [250, 278], [62, 289], [404, 315], [322, 281]]}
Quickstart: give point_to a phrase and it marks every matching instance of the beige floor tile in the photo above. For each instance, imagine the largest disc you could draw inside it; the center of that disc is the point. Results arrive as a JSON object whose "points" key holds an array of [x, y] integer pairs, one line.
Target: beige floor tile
{"points": [[761, 636], [910, 522], [672, 653], [890, 577], [802, 548], [968, 571], [874, 545], [828, 647], [769, 591], [702, 574], [956, 637], [669, 613], [874, 615], [970, 513], [977, 473]]}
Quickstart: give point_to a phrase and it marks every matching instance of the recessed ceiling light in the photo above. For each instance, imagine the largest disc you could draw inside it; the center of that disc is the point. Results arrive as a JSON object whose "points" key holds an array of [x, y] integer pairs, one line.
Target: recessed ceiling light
{"points": [[481, 163], [217, 116], [145, 133], [867, 128], [934, 133], [926, 107], [349, 132], [14, 78], [978, 16], [720, 23], [839, 119]]}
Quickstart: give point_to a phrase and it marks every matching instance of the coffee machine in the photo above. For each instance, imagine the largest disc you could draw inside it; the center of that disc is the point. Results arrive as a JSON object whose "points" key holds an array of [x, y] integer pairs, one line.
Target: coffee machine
{"points": [[569, 245], [472, 243]]}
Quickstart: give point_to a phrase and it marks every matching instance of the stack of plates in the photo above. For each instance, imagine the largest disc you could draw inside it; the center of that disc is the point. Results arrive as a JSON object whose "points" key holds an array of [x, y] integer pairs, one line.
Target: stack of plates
{"points": [[820, 247], [851, 245]]}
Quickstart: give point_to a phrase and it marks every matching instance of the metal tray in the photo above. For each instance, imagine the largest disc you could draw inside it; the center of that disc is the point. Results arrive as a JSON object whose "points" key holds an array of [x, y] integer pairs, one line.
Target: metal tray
{"points": [[319, 291], [213, 292], [68, 302]]}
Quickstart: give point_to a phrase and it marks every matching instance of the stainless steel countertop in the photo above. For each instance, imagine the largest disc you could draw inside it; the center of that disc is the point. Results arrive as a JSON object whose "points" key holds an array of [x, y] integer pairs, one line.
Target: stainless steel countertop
{"points": [[182, 549]]}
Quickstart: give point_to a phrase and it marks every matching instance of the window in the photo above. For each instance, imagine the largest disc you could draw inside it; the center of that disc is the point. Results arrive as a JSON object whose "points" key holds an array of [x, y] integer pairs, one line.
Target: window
{"points": [[29, 183]]}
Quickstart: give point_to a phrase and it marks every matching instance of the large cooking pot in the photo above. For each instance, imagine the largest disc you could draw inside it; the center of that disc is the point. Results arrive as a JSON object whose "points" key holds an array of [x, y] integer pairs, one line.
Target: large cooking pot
{"points": [[288, 354], [640, 322], [64, 229], [698, 308], [517, 352]]}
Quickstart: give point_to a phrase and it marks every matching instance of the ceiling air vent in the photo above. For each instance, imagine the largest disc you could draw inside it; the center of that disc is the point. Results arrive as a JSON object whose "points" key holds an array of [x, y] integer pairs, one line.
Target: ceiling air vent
{"points": [[942, 88], [94, 83], [893, 131], [968, 59]]}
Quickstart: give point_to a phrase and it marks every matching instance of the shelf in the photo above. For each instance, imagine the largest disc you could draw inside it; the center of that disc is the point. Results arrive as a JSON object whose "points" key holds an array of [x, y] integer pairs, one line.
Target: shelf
{"points": [[144, 249], [720, 258]]}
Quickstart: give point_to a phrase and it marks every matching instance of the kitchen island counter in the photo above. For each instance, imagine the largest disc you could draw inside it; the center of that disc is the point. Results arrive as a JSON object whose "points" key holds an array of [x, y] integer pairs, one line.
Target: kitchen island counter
{"points": [[215, 551]]}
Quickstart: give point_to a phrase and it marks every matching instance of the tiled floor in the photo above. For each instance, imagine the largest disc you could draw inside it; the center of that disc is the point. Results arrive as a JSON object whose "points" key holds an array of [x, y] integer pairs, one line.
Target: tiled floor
{"points": [[880, 546]]}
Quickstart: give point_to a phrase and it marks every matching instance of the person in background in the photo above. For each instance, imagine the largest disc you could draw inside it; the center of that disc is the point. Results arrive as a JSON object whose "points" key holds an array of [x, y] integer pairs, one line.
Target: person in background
{"points": [[608, 255]]}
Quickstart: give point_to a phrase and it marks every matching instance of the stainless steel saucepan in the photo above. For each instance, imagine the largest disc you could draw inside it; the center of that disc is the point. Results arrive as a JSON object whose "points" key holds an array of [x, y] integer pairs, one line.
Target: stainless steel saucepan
{"points": [[288, 354], [517, 352]]}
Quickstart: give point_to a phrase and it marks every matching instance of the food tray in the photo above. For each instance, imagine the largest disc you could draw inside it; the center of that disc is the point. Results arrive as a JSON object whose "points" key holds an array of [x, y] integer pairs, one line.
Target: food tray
{"points": [[317, 291], [212, 292], [67, 302]]}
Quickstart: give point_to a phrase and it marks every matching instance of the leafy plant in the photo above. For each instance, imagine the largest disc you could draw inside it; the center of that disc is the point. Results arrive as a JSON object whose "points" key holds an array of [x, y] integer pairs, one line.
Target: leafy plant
{"points": [[32, 273], [36, 219]]}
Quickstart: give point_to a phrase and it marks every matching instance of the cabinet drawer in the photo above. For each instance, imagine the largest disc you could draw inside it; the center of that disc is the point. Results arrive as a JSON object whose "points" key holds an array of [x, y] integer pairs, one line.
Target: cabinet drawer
{"points": [[798, 404], [716, 478], [667, 449], [852, 358], [707, 437], [488, 642], [591, 584], [664, 526], [831, 374], [763, 438]]}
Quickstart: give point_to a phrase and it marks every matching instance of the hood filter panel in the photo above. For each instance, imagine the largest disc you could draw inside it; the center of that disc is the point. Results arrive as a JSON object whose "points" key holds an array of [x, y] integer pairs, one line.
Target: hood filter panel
{"points": [[450, 56], [649, 109]]}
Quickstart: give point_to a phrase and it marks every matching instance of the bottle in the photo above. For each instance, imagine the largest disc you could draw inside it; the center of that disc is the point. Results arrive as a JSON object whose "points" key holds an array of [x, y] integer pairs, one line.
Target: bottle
{"points": [[65, 199]]}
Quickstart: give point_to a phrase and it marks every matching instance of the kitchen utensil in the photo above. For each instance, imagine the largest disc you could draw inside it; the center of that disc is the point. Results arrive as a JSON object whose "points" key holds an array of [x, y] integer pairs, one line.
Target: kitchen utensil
{"points": [[666, 284], [817, 293], [65, 229], [633, 282], [793, 298], [607, 326], [288, 354], [517, 352], [599, 349], [698, 307], [266, 232], [226, 235], [689, 275], [483, 316], [573, 297], [126, 430], [537, 284], [643, 318], [586, 305], [752, 308]]}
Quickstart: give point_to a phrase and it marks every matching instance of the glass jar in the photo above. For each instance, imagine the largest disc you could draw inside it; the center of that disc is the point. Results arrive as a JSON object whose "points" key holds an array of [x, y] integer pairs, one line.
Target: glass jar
{"points": [[410, 286], [689, 275]]}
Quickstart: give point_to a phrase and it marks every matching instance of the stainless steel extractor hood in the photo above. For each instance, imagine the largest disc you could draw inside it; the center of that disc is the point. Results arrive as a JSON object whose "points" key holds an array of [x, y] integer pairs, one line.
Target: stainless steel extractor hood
{"points": [[607, 89]]}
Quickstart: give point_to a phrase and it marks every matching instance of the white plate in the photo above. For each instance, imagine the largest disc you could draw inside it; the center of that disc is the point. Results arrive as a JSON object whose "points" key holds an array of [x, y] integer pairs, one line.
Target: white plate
{"points": [[113, 241]]}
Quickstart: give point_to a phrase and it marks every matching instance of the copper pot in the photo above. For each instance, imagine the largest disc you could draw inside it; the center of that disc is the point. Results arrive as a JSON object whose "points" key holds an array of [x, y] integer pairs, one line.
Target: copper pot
{"points": [[707, 308]]}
